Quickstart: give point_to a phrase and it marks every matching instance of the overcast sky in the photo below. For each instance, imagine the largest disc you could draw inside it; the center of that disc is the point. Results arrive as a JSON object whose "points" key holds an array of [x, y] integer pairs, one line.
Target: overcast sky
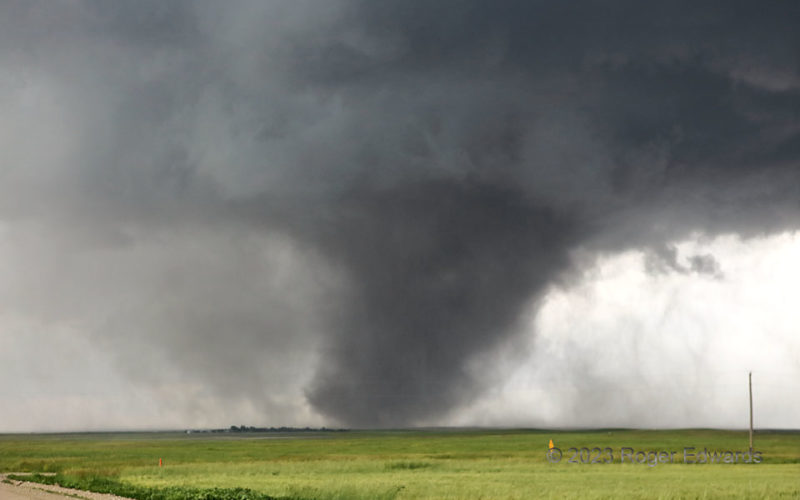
{"points": [[393, 213]]}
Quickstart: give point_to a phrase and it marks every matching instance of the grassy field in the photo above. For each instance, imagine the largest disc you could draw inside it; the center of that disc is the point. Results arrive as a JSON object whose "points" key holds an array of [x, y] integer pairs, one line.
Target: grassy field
{"points": [[448, 464]]}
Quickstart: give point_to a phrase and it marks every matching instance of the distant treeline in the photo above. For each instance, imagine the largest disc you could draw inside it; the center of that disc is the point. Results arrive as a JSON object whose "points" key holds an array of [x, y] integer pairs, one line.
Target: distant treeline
{"points": [[245, 428]]}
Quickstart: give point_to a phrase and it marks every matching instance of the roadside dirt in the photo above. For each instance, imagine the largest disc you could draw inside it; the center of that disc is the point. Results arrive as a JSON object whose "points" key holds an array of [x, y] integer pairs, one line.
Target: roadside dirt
{"points": [[23, 490]]}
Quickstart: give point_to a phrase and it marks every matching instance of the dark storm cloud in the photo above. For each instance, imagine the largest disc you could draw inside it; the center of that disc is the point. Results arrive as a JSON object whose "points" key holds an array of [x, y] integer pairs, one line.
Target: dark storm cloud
{"points": [[434, 162], [637, 124]]}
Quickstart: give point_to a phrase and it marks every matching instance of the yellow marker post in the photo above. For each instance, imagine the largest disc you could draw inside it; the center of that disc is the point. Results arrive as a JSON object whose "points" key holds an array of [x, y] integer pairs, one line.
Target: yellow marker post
{"points": [[552, 445]]}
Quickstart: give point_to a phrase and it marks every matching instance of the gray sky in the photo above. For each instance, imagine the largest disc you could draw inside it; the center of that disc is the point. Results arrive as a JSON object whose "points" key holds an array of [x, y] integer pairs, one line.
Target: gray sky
{"points": [[391, 213]]}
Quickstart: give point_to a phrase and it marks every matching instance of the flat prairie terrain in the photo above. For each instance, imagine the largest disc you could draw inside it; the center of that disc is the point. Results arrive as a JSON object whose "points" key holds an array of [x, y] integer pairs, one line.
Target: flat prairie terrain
{"points": [[416, 464]]}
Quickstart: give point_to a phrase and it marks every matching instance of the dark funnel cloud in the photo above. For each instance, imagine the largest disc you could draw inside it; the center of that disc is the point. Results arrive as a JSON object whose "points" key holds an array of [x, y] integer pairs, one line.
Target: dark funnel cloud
{"points": [[438, 270], [423, 170]]}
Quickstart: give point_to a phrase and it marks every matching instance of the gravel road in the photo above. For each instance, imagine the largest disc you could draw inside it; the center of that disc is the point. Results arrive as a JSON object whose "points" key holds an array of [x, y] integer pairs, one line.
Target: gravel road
{"points": [[20, 490]]}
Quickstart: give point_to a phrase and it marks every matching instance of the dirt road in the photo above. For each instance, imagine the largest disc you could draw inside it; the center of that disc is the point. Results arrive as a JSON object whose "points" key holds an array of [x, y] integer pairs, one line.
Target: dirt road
{"points": [[19, 490]]}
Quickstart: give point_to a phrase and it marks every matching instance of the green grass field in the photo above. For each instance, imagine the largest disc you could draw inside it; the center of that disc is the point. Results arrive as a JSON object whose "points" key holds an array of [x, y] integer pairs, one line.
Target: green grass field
{"points": [[448, 464]]}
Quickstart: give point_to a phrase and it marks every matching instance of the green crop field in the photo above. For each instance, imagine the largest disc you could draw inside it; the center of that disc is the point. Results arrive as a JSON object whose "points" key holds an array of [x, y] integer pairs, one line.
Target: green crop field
{"points": [[437, 464]]}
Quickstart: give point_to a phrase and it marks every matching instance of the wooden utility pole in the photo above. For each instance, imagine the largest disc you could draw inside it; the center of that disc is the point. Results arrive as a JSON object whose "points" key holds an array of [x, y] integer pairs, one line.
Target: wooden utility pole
{"points": [[750, 382]]}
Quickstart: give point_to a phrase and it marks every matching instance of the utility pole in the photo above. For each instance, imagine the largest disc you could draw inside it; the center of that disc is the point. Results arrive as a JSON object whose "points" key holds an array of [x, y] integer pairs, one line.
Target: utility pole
{"points": [[750, 381]]}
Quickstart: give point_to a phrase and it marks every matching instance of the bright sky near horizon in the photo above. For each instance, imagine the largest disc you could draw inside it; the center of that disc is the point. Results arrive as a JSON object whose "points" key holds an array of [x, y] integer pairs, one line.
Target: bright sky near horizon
{"points": [[669, 350]]}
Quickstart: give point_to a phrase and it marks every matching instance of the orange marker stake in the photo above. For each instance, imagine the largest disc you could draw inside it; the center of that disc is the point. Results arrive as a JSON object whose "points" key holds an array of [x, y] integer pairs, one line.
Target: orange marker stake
{"points": [[159, 462], [551, 444]]}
